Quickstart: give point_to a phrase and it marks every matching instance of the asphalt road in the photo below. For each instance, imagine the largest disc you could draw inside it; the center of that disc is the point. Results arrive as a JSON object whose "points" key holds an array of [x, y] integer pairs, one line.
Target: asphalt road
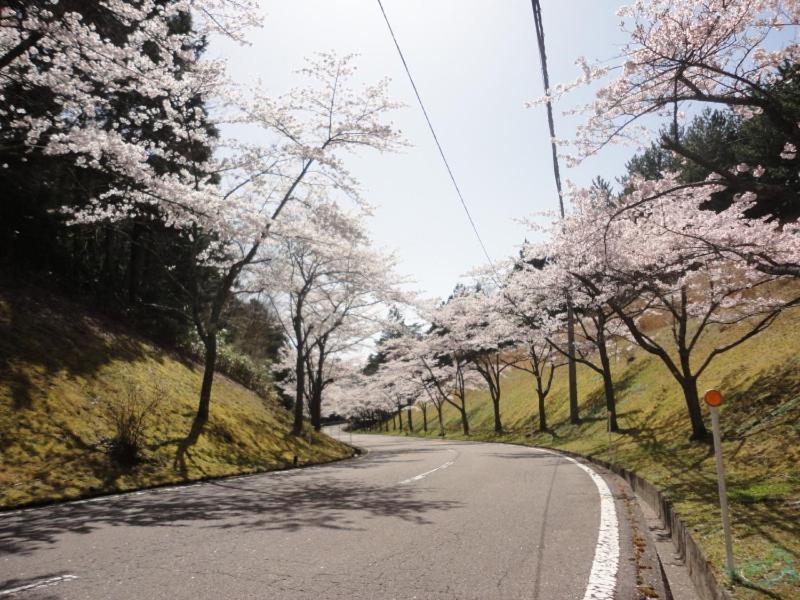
{"points": [[410, 519]]}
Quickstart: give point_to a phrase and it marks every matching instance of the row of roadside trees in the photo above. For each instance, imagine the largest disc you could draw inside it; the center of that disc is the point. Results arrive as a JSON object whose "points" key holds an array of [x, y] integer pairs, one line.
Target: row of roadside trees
{"points": [[124, 183], [702, 238], [116, 109]]}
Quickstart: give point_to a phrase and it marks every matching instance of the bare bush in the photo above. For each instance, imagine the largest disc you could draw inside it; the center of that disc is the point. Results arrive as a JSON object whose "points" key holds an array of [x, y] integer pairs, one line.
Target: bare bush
{"points": [[129, 413]]}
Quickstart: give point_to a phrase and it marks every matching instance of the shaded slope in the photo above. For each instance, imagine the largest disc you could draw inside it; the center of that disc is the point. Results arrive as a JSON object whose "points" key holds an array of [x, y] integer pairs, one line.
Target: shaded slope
{"points": [[60, 367]]}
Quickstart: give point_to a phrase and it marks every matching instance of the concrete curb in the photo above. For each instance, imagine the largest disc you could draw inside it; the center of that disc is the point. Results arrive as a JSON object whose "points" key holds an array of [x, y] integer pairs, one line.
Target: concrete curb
{"points": [[700, 571]]}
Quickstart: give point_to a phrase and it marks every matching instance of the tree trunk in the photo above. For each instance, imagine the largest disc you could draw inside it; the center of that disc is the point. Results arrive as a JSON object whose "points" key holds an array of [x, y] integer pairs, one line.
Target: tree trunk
{"points": [[498, 425], [542, 415], [489, 370], [400, 418], [316, 410], [108, 246], [699, 431], [464, 419], [410, 422], [317, 378], [611, 403], [608, 382], [208, 333], [424, 410], [135, 263], [441, 421], [300, 382], [210, 363]]}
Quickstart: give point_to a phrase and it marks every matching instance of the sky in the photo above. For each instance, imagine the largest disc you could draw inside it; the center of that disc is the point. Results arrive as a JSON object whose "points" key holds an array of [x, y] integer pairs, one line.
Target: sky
{"points": [[475, 64]]}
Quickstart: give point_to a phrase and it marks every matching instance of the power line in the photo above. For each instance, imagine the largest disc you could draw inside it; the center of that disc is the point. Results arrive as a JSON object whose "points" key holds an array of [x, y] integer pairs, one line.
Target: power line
{"points": [[436, 139]]}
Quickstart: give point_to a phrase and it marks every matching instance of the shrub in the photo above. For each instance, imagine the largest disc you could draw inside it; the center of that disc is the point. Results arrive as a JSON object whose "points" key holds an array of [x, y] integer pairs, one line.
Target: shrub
{"points": [[233, 363], [129, 413]]}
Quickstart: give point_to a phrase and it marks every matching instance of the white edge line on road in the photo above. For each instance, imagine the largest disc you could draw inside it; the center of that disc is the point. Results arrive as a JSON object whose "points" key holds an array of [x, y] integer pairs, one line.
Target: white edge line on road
{"points": [[603, 576], [38, 584]]}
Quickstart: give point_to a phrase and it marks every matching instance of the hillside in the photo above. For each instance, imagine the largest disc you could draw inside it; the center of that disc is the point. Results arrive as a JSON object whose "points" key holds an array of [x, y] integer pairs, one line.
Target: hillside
{"points": [[761, 440], [61, 368]]}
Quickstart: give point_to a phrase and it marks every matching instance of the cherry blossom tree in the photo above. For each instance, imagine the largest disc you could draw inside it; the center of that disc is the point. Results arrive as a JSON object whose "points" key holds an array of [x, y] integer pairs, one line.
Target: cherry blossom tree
{"points": [[644, 253], [693, 52], [422, 403], [391, 389], [701, 271], [528, 305], [540, 360], [354, 395], [310, 127], [414, 359], [535, 292], [449, 341], [434, 382], [484, 335], [73, 63], [225, 201], [326, 284]]}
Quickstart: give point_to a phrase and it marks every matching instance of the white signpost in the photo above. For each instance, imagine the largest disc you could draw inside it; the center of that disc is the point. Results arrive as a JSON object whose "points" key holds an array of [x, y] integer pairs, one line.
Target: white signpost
{"points": [[714, 400]]}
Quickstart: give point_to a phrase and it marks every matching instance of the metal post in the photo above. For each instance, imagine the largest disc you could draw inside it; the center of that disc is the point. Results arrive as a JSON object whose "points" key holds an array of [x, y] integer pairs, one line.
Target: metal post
{"points": [[723, 492]]}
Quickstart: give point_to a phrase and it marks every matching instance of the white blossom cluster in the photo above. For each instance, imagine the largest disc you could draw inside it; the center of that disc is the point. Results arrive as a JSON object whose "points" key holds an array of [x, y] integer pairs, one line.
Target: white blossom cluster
{"points": [[684, 52]]}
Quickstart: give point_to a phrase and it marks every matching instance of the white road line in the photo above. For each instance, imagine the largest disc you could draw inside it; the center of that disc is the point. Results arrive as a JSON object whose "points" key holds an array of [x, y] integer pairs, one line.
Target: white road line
{"points": [[426, 473], [603, 576], [38, 584]]}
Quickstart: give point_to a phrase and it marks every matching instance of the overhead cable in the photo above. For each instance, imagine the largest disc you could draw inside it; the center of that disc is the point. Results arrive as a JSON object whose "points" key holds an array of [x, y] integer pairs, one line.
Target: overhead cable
{"points": [[436, 140]]}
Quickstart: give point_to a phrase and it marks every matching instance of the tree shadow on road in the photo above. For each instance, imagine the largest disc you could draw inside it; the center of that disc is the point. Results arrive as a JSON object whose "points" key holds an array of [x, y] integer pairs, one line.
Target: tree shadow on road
{"points": [[286, 502], [182, 451]]}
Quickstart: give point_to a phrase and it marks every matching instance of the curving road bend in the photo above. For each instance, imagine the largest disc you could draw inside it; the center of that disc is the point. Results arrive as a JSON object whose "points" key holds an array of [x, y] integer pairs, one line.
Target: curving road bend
{"points": [[413, 518]]}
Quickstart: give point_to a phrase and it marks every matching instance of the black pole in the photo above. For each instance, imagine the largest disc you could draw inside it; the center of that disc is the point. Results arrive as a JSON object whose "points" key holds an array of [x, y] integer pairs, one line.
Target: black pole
{"points": [[574, 416]]}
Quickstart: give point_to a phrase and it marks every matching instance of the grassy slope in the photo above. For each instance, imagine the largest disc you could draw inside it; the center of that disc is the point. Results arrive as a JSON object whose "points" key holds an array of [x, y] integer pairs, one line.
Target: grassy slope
{"points": [[59, 365], [761, 440]]}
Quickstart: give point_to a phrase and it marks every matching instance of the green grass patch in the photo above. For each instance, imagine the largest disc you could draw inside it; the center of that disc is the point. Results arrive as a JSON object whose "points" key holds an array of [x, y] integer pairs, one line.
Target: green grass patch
{"points": [[62, 366], [761, 445]]}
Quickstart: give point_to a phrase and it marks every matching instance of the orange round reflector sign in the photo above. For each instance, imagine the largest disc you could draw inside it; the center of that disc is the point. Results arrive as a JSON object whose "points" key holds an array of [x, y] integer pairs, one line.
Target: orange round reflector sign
{"points": [[713, 397]]}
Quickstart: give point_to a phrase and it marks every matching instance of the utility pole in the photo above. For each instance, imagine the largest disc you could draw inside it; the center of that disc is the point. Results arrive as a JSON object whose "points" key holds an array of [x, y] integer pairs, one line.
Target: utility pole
{"points": [[574, 417]]}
